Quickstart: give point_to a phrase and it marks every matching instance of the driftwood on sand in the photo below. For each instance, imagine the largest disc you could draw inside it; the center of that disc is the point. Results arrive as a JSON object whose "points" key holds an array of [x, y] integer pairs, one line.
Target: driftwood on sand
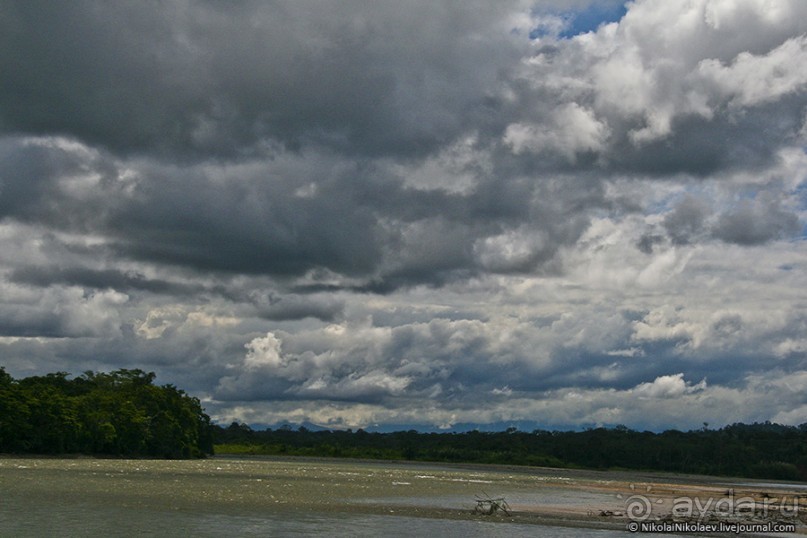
{"points": [[488, 505]]}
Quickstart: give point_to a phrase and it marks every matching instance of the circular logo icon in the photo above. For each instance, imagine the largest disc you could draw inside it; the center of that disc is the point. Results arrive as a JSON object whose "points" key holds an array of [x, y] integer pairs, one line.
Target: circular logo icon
{"points": [[638, 507]]}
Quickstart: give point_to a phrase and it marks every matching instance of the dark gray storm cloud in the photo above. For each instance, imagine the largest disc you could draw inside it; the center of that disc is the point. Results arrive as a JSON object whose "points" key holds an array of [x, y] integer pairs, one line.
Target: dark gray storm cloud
{"points": [[686, 221], [291, 216], [98, 279], [757, 221], [356, 212], [200, 78]]}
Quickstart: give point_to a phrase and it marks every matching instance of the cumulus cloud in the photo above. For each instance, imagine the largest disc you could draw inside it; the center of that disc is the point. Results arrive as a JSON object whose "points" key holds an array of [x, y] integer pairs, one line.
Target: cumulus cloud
{"points": [[686, 220], [194, 78], [752, 80], [668, 386], [571, 130], [567, 212], [669, 78], [757, 221]]}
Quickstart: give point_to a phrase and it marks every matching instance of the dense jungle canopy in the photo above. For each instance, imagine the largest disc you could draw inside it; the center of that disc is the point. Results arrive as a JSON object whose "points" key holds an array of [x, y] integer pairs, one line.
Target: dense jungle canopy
{"points": [[121, 413]]}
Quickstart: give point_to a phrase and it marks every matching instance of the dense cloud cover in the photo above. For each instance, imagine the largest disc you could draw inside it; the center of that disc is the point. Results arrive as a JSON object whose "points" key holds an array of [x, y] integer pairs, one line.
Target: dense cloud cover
{"points": [[358, 213]]}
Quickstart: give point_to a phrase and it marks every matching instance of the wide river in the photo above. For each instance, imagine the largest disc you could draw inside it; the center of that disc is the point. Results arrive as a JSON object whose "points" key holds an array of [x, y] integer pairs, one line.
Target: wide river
{"points": [[290, 497]]}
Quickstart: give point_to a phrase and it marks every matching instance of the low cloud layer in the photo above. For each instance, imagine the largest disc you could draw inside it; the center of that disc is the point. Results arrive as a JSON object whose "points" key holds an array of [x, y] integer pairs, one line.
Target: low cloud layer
{"points": [[422, 213]]}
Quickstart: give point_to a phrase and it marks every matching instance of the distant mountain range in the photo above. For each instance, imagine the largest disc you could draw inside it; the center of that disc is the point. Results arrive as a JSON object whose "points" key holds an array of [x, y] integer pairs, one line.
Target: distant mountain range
{"points": [[520, 425]]}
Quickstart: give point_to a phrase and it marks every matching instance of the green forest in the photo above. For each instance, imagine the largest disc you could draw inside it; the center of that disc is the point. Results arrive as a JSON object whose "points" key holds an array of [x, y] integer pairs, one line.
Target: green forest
{"points": [[121, 413], [756, 451]]}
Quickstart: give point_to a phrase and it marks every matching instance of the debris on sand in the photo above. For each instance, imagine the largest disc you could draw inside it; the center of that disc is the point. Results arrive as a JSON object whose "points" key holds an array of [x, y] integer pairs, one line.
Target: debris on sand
{"points": [[488, 506]]}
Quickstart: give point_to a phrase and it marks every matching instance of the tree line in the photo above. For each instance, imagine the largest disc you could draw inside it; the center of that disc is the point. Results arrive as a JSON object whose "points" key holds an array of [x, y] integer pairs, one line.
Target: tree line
{"points": [[759, 450], [121, 413]]}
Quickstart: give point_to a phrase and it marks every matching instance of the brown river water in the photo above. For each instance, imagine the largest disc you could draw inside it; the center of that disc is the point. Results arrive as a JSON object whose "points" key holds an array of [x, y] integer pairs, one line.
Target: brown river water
{"points": [[298, 497]]}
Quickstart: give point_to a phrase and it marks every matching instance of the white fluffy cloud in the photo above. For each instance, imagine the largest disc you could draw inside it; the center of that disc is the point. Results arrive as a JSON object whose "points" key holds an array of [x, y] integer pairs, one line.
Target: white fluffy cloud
{"points": [[571, 129], [662, 63], [753, 80]]}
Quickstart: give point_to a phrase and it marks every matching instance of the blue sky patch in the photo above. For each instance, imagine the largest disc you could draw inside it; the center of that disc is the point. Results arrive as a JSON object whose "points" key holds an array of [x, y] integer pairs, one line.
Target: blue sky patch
{"points": [[591, 18]]}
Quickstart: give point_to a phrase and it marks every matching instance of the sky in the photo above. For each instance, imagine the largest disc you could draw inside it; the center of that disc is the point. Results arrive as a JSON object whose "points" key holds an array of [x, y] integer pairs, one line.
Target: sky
{"points": [[361, 214]]}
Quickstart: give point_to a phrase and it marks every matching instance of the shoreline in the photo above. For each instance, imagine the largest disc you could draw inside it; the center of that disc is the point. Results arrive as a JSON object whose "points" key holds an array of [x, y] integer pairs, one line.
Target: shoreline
{"points": [[623, 475], [659, 488]]}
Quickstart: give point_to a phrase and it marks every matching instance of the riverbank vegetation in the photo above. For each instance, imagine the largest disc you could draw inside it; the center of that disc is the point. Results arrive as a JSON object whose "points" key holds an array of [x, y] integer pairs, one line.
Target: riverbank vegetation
{"points": [[121, 413], [763, 450]]}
